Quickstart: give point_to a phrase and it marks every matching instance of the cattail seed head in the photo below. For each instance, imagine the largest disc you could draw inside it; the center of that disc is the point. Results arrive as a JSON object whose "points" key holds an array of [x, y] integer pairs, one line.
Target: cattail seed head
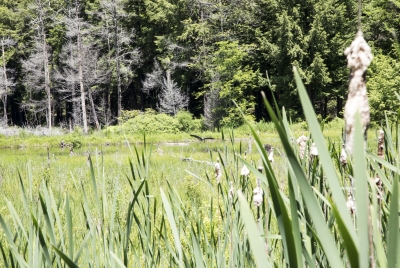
{"points": [[245, 171], [343, 157], [351, 206], [359, 57], [231, 192], [302, 142], [217, 170], [313, 150], [258, 194], [381, 144]]}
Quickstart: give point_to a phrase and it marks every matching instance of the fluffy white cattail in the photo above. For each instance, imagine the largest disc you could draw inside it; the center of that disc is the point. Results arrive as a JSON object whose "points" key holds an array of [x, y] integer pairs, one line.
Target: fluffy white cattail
{"points": [[351, 206], [271, 155], [359, 57], [302, 142], [217, 171], [258, 194], [313, 150], [343, 157], [245, 171], [231, 192], [381, 144]]}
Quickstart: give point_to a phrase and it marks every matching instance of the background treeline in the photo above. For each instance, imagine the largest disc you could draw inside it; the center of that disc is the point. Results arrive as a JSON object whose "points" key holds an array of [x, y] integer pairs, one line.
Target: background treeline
{"points": [[83, 62]]}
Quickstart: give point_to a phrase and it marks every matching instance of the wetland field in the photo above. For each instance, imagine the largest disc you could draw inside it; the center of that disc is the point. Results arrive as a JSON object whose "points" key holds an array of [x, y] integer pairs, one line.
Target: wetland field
{"points": [[176, 203]]}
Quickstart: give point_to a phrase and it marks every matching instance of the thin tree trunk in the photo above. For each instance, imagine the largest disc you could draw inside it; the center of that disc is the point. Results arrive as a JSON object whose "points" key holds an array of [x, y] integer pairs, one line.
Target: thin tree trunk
{"points": [[108, 93], [117, 62], [81, 86], [46, 67], [5, 84], [93, 109]]}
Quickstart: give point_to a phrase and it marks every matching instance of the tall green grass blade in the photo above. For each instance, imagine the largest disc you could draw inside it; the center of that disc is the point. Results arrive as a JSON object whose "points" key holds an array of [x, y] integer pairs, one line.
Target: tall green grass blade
{"points": [[94, 183], [14, 248], [42, 241], [381, 174], [82, 247], [118, 260], [129, 221], [47, 214], [16, 219], [3, 254], [295, 221], [256, 243], [326, 160], [171, 220], [307, 258], [58, 219], [24, 197], [65, 258], [68, 216], [282, 215], [310, 200], [361, 194], [375, 221], [393, 226]]}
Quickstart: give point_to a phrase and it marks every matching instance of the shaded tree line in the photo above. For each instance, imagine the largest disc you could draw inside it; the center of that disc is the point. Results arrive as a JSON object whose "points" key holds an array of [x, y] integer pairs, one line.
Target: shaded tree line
{"points": [[81, 62]]}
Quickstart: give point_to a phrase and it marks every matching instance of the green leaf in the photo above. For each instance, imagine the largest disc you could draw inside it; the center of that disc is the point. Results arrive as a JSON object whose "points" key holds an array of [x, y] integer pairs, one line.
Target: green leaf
{"points": [[256, 243], [361, 193], [327, 165], [393, 229], [197, 251], [170, 217], [118, 260], [65, 258]]}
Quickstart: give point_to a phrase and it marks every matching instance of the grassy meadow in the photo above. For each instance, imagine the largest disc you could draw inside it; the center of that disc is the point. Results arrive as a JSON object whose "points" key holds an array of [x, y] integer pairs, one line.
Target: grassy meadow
{"points": [[153, 201], [169, 200]]}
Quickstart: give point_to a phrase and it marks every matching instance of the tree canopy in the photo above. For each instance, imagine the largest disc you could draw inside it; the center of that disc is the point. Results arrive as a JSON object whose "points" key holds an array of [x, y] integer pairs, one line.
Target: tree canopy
{"points": [[82, 62]]}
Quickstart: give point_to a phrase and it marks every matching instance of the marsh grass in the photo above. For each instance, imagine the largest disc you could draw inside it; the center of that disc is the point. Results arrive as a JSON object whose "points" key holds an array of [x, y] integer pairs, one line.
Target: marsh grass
{"points": [[157, 205]]}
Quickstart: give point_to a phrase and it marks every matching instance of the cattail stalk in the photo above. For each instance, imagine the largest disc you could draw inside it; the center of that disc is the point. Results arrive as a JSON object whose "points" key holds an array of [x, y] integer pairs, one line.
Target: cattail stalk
{"points": [[359, 57], [302, 142]]}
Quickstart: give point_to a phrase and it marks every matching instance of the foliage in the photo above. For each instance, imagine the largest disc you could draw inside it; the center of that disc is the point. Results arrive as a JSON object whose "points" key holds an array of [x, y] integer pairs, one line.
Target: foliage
{"points": [[150, 123], [128, 114], [186, 122], [233, 82], [383, 83], [214, 51], [110, 218]]}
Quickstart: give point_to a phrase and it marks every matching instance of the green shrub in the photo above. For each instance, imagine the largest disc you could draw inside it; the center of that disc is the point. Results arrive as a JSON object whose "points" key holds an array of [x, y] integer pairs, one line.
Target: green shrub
{"points": [[126, 115], [151, 123], [185, 121]]}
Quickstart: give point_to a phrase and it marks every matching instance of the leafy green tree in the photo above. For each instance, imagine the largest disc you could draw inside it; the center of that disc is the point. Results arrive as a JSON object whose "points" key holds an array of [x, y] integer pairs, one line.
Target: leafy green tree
{"points": [[233, 80], [381, 24], [383, 83]]}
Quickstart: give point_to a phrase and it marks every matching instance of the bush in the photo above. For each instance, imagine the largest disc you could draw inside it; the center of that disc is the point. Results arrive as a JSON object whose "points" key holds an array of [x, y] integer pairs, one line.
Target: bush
{"points": [[185, 121], [151, 123], [126, 115]]}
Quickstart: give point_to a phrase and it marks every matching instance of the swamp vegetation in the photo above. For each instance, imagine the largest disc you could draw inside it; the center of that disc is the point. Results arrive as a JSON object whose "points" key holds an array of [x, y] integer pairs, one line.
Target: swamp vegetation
{"points": [[158, 205]]}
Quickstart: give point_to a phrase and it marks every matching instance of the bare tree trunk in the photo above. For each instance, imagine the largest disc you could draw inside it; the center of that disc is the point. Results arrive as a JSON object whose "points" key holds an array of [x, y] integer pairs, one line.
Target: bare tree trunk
{"points": [[108, 101], [81, 86], [93, 109], [117, 63], [5, 83], [46, 66]]}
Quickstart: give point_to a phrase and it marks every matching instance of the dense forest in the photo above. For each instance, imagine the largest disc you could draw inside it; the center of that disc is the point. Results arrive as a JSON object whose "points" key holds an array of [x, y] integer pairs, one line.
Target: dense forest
{"points": [[85, 62]]}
